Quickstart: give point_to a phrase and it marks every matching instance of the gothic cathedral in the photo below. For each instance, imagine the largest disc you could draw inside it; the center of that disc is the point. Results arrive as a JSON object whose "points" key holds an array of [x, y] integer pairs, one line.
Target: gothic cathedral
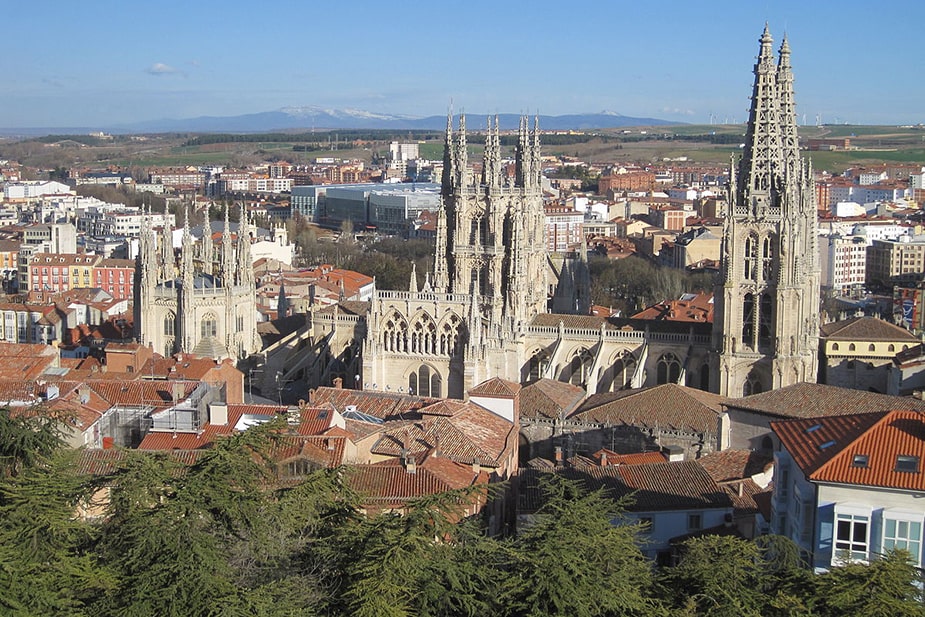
{"points": [[483, 311], [201, 303], [766, 328]]}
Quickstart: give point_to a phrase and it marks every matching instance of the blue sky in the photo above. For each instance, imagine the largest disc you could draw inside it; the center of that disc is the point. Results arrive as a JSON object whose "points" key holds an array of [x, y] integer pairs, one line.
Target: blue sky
{"points": [[101, 63]]}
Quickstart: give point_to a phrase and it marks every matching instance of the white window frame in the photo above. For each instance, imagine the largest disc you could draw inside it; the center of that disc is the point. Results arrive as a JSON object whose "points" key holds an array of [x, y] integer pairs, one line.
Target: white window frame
{"points": [[909, 520], [854, 517]]}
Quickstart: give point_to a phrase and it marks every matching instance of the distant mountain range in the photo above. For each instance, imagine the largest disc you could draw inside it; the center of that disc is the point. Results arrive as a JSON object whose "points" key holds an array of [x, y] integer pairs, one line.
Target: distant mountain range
{"points": [[319, 118]]}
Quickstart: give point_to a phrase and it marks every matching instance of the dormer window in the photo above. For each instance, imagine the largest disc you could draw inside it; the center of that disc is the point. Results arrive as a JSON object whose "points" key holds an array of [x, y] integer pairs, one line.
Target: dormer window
{"points": [[860, 460], [907, 463]]}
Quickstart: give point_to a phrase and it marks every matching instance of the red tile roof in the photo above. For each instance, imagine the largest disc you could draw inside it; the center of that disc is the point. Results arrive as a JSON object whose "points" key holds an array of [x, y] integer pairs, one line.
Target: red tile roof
{"points": [[496, 387], [826, 448], [382, 405], [666, 406], [551, 399], [812, 400], [866, 329]]}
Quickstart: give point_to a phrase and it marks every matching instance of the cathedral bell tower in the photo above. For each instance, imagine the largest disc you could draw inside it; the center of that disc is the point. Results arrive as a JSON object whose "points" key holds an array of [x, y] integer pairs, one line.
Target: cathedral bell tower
{"points": [[766, 327]]}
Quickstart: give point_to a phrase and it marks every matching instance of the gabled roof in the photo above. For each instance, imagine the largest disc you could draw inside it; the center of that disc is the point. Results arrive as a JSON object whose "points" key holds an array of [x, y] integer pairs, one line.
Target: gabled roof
{"points": [[382, 405], [681, 485], [496, 387], [668, 406], [389, 484], [811, 400], [859, 449], [548, 398], [866, 329], [728, 465], [472, 435]]}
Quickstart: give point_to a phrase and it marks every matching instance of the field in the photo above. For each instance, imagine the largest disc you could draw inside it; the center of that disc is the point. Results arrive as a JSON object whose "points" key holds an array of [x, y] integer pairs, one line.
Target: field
{"points": [[698, 143]]}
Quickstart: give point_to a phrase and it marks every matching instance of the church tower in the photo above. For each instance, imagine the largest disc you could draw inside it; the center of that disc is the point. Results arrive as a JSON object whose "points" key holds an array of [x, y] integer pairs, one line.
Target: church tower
{"points": [[766, 327]]}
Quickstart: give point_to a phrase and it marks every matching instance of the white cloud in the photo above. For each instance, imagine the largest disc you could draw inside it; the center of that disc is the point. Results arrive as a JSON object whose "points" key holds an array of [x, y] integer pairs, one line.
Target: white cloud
{"points": [[159, 68]]}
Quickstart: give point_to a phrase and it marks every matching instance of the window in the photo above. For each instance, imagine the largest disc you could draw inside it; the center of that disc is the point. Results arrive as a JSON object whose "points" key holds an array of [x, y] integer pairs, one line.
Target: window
{"points": [[668, 369], [208, 326], [871, 347], [907, 463], [694, 522], [903, 534], [851, 537], [860, 460]]}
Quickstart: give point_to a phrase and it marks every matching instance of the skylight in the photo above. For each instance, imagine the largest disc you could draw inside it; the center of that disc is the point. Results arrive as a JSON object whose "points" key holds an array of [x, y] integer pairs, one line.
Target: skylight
{"points": [[827, 444], [907, 463], [860, 460], [814, 428]]}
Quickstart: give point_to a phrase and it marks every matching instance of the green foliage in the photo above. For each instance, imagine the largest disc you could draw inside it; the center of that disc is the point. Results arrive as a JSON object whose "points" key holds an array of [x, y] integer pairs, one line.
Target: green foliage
{"points": [[573, 560], [27, 440], [885, 587], [225, 536], [633, 283]]}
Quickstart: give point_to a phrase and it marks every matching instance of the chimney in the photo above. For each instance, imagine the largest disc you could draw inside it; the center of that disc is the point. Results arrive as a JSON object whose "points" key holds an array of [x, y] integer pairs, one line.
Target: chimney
{"points": [[476, 467], [178, 392], [83, 394], [558, 456], [409, 462], [218, 413], [339, 383], [603, 458]]}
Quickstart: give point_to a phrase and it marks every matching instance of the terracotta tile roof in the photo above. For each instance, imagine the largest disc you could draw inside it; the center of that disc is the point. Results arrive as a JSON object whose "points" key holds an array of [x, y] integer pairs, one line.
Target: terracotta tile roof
{"points": [[142, 392], [667, 406], [605, 457], [811, 400], [866, 329], [18, 391], [473, 435], [347, 307], [548, 398], [696, 308], [389, 485], [195, 440], [831, 452], [382, 405], [585, 322], [96, 462], [655, 486], [496, 387], [727, 465]]}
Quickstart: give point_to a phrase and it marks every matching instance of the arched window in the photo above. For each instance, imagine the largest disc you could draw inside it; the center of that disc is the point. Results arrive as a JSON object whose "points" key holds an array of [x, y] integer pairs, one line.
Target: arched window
{"points": [[892, 347], [208, 326], [871, 347], [705, 377], [765, 321], [751, 256], [852, 347], [668, 369], [580, 367], [395, 334], [834, 346], [425, 382], [623, 370], [424, 337], [753, 384], [748, 321], [170, 325], [767, 258], [539, 361]]}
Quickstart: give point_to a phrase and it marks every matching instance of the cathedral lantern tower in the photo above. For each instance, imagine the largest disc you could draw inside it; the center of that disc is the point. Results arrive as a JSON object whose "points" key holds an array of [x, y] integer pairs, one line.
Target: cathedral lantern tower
{"points": [[766, 327]]}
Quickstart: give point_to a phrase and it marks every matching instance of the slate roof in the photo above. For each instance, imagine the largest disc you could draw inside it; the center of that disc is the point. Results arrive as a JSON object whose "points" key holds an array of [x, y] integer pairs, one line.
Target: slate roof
{"points": [[811, 400], [826, 448], [548, 398], [666, 406], [865, 329]]}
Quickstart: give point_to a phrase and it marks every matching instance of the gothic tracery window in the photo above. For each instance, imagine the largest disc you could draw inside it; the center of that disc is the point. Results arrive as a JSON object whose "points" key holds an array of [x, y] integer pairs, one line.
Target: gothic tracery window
{"points": [[748, 321], [767, 259], [623, 370], [208, 326], [170, 324], [580, 367], [668, 369]]}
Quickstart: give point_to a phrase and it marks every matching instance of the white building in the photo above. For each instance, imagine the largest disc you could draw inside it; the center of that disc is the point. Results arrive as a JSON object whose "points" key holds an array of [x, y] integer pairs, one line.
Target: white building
{"points": [[33, 189], [848, 488], [843, 261]]}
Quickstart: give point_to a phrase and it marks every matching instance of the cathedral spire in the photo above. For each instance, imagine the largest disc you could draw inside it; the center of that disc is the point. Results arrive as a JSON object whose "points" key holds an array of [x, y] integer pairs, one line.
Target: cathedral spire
{"points": [[462, 155], [788, 123], [227, 252], [761, 159], [245, 269], [449, 172]]}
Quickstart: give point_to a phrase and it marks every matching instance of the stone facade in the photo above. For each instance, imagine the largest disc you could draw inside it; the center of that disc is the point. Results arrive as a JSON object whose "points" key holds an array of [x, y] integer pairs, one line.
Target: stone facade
{"points": [[203, 302]]}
